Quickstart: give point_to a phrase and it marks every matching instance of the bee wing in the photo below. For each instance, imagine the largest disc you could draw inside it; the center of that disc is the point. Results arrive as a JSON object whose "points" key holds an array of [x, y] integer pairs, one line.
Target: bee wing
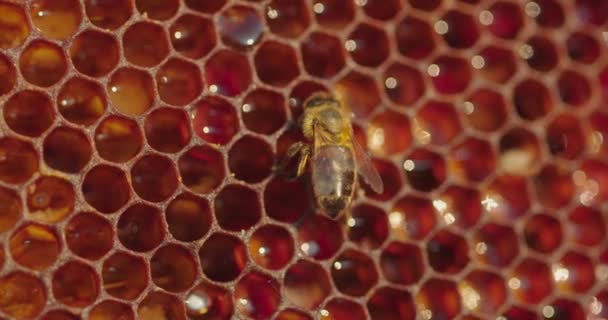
{"points": [[366, 169]]}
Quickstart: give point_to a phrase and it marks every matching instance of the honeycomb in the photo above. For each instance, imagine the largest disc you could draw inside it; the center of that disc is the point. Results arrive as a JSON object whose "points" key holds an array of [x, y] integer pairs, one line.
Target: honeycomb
{"points": [[138, 139]]}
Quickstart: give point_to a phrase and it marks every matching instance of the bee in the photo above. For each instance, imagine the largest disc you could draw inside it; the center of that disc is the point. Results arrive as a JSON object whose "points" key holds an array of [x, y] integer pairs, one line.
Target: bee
{"points": [[335, 156]]}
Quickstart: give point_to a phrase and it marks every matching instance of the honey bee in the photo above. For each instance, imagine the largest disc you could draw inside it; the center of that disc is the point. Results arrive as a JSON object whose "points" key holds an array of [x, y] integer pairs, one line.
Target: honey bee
{"points": [[335, 156]]}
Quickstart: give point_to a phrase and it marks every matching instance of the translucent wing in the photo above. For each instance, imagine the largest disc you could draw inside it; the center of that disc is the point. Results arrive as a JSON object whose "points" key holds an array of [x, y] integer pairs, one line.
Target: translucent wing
{"points": [[366, 169]]}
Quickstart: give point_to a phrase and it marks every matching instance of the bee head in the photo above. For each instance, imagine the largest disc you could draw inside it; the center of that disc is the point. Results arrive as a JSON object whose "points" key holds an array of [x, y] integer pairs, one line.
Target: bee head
{"points": [[320, 99]]}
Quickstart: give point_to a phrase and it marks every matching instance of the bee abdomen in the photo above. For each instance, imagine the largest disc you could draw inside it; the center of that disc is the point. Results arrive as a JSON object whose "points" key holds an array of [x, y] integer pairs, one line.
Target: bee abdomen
{"points": [[333, 176]]}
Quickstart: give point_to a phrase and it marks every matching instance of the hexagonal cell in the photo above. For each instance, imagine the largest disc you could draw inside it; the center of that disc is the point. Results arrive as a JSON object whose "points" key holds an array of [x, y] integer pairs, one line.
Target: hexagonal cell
{"points": [[240, 27], [322, 54], [505, 19], [19, 160], [519, 152], [459, 205], [447, 252], [118, 139], [276, 63], [543, 233], [592, 12], [359, 92], [145, 44], [415, 38], [391, 179], [208, 301], [382, 10], [342, 309], [215, 120], [259, 295], [450, 75], [111, 309], [389, 124], [154, 178], [368, 45], [28, 293], [403, 84], [271, 247], [192, 36], [388, 303], [554, 186], [437, 123], [334, 14], [29, 113], [237, 208], [263, 111], [319, 237], [582, 47], [402, 263], [483, 291], [574, 273], [94, 53], [140, 228], [157, 11], [354, 273], [75, 284], [306, 284], [250, 159], [179, 82], [548, 13], [565, 137], [425, 170], [131, 91], [586, 226], [8, 75], [458, 29], [15, 27], [11, 208], [223, 257], [367, 226], [173, 268], [485, 110], [50, 199], [473, 159], [188, 217], [109, 15], [591, 181], [598, 129], [506, 197], [34, 246], [227, 73], [292, 314], [209, 6], [562, 309], [124, 275], [494, 245], [496, 64], [531, 281], [58, 314], [277, 190], [66, 149], [167, 130], [574, 88], [56, 19], [42, 63], [81, 101], [440, 298], [159, 304], [540, 53], [106, 188], [89, 236], [287, 18], [201, 169], [412, 217]]}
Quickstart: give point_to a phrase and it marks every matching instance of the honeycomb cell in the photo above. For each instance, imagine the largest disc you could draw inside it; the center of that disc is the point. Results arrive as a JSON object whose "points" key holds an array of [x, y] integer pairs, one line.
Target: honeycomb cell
{"points": [[519, 151], [110, 14], [81, 101], [158, 304], [447, 252], [600, 299], [319, 237], [460, 206], [322, 54], [124, 275], [382, 10], [237, 208], [271, 247], [342, 309], [58, 314], [157, 10], [188, 217], [287, 18], [106, 188], [209, 6], [389, 133], [8, 75], [412, 217], [531, 281], [565, 137], [276, 63], [473, 159], [554, 186], [240, 27], [368, 45], [173, 268], [250, 159], [388, 303], [306, 284], [540, 53], [505, 20], [494, 245], [192, 36], [145, 44], [591, 182], [483, 291], [506, 197], [56, 19], [89, 236], [75, 284], [359, 92], [215, 120], [561, 309], [574, 88], [131, 91], [111, 309], [425, 169], [263, 111], [368, 226], [277, 190], [426, 5], [228, 73], [496, 64], [402, 263], [440, 298], [140, 228], [167, 130], [458, 29], [118, 139], [50, 199], [14, 26], [29, 113], [208, 301], [548, 13], [543, 233], [34, 246], [485, 110], [11, 208], [18, 160], [292, 314], [42, 63], [154, 178], [334, 14], [391, 179], [450, 75], [178, 82], [94, 53], [598, 129], [403, 84], [223, 257], [67, 149], [574, 273], [414, 38], [258, 295], [436, 123], [582, 48], [594, 12], [24, 295], [585, 226], [354, 273], [201, 169], [519, 313]]}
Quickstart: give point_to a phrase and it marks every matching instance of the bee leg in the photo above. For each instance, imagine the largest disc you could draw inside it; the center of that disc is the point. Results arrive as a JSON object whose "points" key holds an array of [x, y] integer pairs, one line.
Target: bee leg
{"points": [[295, 149], [304, 154]]}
